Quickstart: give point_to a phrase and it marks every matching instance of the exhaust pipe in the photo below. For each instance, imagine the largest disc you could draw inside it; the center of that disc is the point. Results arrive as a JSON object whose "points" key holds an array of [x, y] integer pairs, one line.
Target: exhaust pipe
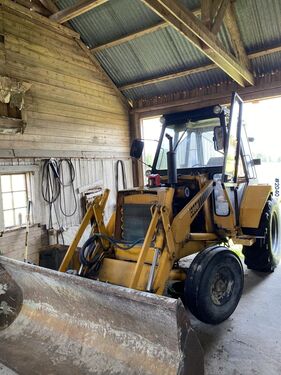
{"points": [[171, 163]]}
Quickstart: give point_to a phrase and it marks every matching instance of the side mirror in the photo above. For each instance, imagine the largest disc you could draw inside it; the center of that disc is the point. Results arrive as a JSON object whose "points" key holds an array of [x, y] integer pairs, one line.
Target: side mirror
{"points": [[256, 162], [218, 138], [136, 148]]}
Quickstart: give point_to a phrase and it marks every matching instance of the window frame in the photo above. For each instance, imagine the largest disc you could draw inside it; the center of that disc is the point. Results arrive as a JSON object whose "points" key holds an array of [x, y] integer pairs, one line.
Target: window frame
{"points": [[31, 173]]}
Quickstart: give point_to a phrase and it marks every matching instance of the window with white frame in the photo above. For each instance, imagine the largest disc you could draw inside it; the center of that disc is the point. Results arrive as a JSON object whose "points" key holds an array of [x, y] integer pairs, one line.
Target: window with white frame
{"points": [[15, 194], [150, 130]]}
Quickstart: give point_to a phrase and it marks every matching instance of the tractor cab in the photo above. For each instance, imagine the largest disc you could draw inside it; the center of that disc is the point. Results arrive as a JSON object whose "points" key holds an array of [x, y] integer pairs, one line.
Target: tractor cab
{"points": [[201, 145], [198, 139], [209, 140]]}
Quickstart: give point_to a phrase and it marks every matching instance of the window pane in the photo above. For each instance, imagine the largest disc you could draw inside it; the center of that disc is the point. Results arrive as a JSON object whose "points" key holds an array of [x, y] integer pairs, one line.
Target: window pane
{"points": [[9, 218], [193, 143], [18, 182], [19, 199], [14, 198], [7, 199], [6, 183], [20, 215]]}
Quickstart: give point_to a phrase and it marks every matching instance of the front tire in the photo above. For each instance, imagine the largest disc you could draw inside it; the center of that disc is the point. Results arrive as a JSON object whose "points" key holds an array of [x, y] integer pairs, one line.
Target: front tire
{"points": [[214, 284], [265, 254]]}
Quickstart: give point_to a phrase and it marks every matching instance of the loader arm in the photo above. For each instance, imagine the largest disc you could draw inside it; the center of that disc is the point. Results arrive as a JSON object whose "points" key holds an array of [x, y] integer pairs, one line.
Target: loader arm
{"points": [[94, 213], [181, 223]]}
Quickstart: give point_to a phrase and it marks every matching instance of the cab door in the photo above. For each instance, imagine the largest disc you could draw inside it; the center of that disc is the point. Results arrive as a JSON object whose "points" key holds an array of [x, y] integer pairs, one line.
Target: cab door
{"points": [[234, 176]]}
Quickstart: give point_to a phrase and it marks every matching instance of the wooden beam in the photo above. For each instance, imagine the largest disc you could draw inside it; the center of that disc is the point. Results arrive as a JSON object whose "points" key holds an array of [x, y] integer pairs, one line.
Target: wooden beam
{"points": [[137, 34], [206, 12], [129, 37], [220, 16], [192, 28], [33, 6], [187, 72], [268, 86], [264, 52], [50, 5], [167, 77], [38, 19], [234, 32], [76, 10], [52, 8], [215, 8]]}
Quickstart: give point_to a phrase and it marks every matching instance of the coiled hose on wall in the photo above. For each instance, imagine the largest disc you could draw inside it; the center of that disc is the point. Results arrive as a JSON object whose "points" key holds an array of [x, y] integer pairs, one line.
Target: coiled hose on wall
{"points": [[54, 184]]}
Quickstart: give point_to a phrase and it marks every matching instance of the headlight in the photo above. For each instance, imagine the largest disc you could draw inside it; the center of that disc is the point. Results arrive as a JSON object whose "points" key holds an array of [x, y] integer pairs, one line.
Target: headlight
{"points": [[217, 109], [147, 172]]}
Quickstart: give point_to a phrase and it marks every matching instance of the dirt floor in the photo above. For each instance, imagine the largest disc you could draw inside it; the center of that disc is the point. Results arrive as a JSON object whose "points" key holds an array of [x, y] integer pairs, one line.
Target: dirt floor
{"points": [[249, 342]]}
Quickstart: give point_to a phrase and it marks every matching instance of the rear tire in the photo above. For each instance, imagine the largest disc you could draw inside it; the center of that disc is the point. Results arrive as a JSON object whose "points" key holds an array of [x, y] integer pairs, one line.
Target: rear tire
{"points": [[214, 284], [265, 254]]}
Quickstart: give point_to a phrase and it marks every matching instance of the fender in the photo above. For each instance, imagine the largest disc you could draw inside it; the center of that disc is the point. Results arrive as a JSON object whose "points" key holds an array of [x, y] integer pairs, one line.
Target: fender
{"points": [[252, 204]]}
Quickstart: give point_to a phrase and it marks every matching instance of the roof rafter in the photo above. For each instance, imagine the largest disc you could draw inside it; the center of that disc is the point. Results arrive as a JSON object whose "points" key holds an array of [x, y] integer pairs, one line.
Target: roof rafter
{"points": [[206, 12], [129, 37], [197, 33], [215, 8], [50, 5], [138, 34], [187, 72], [266, 87], [234, 32], [35, 6], [218, 20], [76, 10]]}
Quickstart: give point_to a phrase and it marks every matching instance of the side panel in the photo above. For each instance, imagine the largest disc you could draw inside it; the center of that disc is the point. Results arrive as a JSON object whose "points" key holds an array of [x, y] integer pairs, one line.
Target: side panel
{"points": [[252, 205]]}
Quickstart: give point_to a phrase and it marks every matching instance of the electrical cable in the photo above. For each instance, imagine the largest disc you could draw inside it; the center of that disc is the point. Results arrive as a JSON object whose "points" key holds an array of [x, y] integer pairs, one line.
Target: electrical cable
{"points": [[64, 184], [50, 187], [124, 178], [53, 188]]}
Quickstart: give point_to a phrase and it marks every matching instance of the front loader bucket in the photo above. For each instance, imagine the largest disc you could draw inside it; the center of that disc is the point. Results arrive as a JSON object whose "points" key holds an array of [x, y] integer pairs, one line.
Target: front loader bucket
{"points": [[55, 323]]}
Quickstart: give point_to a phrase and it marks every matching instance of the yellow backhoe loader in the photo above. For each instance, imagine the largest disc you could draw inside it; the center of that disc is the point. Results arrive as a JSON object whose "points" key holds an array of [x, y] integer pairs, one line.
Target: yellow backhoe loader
{"points": [[112, 308]]}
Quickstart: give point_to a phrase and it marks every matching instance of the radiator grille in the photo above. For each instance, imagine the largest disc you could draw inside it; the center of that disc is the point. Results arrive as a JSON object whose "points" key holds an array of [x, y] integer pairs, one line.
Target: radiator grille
{"points": [[135, 221]]}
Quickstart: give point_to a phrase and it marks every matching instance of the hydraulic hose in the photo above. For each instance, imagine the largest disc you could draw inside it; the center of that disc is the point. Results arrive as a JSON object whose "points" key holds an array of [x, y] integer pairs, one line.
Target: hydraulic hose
{"points": [[85, 250]]}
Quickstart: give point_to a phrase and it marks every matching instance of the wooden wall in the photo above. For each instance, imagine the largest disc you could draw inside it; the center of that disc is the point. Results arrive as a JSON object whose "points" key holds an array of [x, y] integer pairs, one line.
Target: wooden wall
{"points": [[72, 110], [87, 171], [71, 107], [12, 243]]}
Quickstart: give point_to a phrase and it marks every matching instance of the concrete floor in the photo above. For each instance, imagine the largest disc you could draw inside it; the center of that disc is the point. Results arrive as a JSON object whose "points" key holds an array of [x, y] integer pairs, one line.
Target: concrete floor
{"points": [[249, 342]]}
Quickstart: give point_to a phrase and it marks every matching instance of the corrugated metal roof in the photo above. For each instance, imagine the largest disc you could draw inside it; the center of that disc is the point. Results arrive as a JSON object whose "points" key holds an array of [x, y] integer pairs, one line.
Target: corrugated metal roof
{"points": [[167, 51], [259, 22], [267, 64], [112, 20], [187, 83], [157, 53]]}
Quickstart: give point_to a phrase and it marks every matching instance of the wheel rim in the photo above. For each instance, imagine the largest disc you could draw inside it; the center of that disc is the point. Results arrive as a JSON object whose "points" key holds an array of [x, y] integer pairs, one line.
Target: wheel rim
{"points": [[222, 286], [274, 233]]}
